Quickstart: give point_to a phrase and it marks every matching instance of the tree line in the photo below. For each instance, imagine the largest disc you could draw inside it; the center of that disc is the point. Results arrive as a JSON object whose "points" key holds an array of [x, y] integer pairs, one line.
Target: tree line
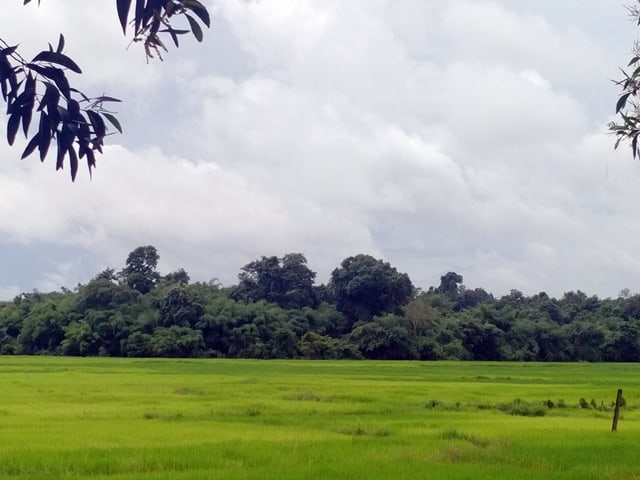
{"points": [[366, 310]]}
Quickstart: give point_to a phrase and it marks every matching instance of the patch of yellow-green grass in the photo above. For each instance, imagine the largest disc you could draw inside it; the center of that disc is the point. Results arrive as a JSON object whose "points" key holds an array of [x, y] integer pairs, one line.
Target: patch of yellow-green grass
{"points": [[71, 418]]}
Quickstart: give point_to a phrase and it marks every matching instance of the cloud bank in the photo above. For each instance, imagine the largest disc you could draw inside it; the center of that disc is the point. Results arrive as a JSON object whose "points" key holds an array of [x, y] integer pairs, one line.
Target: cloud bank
{"points": [[400, 129]]}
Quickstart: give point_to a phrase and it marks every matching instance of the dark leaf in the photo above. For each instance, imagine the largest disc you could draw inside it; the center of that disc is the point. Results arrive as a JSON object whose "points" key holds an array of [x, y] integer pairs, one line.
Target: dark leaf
{"points": [[91, 159], [174, 36], [50, 98], [151, 10], [615, 147], [27, 108], [44, 134], [74, 109], [63, 146], [84, 97], [8, 79], [26, 113], [31, 146], [113, 121], [106, 99], [99, 128], [123, 13], [155, 26], [60, 44], [63, 84], [195, 28], [622, 101], [199, 9], [73, 163], [138, 15], [9, 50], [59, 59], [63, 114], [12, 127]]}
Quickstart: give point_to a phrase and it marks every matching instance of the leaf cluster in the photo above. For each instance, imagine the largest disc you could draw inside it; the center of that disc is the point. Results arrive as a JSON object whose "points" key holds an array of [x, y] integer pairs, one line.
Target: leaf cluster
{"points": [[628, 103], [40, 88], [150, 18], [39, 91]]}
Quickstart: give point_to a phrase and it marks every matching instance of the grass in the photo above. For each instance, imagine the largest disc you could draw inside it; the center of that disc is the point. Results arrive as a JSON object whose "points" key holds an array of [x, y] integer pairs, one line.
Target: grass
{"points": [[95, 418]]}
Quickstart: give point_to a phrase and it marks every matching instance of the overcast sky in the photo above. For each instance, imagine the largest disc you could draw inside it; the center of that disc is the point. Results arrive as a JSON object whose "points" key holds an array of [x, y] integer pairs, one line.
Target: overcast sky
{"points": [[438, 135]]}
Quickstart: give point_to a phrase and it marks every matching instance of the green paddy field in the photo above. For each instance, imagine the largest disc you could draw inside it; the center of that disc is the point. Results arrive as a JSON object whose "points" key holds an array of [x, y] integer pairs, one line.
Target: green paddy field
{"points": [[95, 418]]}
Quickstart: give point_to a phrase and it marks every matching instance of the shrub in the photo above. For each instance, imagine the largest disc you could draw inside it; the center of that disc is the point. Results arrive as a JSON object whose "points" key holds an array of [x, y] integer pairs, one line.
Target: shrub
{"points": [[522, 408]]}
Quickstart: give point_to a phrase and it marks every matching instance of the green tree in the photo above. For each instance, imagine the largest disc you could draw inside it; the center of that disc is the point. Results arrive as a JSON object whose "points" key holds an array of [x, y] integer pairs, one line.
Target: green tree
{"points": [[180, 276], [286, 281], [43, 327], [176, 341], [481, 339], [318, 347], [180, 307], [449, 284], [102, 293], [364, 287], [138, 344], [68, 120], [140, 271], [626, 347], [79, 339], [385, 338]]}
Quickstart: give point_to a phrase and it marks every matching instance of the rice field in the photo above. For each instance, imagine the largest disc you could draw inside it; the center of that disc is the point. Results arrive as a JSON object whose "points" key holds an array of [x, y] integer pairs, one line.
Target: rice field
{"points": [[100, 418]]}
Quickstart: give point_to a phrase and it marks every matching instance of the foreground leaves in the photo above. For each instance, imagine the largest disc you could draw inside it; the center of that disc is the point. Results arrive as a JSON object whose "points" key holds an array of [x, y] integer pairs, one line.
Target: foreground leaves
{"points": [[40, 88], [151, 17], [628, 103], [39, 91]]}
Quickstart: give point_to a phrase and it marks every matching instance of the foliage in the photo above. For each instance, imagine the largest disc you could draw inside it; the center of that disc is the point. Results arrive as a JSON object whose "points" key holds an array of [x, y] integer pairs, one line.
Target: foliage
{"points": [[364, 287], [628, 104], [68, 120], [286, 281], [140, 272], [273, 313]]}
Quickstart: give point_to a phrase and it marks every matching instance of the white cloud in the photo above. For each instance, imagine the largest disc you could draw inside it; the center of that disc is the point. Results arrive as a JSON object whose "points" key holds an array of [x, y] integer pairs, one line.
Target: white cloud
{"points": [[9, 291], [401, 129], [199, 216]]}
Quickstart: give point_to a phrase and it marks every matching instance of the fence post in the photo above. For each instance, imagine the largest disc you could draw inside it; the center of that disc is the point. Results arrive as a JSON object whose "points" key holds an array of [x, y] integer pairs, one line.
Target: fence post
{"points": [[616, 411]]}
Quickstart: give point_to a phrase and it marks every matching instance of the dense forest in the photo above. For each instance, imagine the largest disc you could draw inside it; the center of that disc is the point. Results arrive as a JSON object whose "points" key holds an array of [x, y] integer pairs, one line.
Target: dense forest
{"points": [[367, 310]]}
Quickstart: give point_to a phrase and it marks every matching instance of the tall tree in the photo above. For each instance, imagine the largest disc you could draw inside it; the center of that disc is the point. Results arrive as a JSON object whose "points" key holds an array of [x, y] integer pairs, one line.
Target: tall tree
{"points": [[364, 287], [449, 284], [286, 281], [79, 124], [140, 270]]}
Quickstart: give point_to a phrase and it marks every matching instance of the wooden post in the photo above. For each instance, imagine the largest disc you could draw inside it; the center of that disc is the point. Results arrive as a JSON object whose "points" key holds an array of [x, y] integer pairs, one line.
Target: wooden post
{"points": [[616, 411]]}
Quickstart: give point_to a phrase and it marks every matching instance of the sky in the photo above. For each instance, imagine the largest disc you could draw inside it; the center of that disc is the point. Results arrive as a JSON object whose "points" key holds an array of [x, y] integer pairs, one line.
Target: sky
{"points": [[440, 135]]}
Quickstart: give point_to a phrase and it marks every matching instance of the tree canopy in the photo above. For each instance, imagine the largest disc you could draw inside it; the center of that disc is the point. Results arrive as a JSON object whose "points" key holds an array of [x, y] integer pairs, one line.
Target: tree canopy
{"points": [[287, 281], [171, 317], [364, 287], [68, 121]]}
